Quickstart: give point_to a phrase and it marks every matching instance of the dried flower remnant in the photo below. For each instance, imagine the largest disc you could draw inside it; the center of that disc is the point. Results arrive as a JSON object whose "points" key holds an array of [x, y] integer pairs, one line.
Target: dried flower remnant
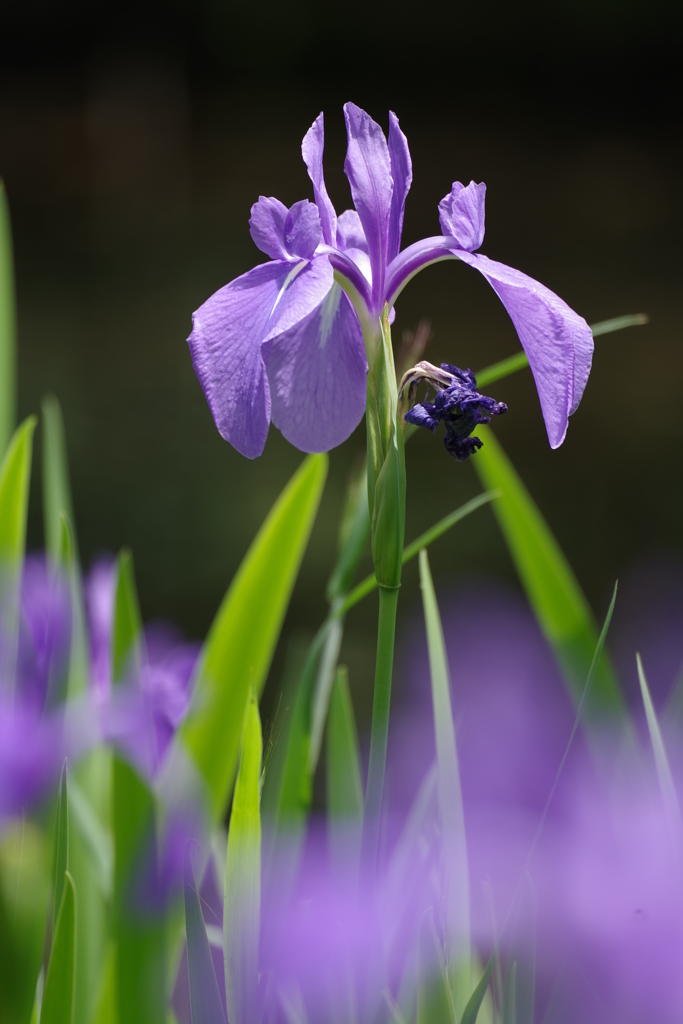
{"points": [[457, 404]]}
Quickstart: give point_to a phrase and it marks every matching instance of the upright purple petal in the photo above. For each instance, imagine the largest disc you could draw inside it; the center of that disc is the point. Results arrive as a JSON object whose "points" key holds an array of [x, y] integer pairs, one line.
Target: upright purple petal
{"points": [[368, 168], [227, 334], [350, 234], [267, 227], [317, 375], [303, 233], [312, 151], [402, 174], [554, 337], [461, 214]]}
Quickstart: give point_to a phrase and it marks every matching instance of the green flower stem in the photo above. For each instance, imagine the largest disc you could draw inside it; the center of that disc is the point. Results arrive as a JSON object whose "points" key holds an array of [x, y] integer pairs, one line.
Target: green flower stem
{"points": [[388, 601]]}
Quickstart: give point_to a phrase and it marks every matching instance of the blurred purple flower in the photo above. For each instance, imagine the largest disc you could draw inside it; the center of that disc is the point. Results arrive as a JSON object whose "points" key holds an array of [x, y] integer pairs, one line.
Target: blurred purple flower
{"points": [[139, 715], [284, 343], [32, 751], [100, 592], [44, 635]]}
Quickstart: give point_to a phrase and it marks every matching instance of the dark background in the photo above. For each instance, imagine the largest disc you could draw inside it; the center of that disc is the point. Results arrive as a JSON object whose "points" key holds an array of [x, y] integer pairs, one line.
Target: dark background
{"points": [[134, 139]]}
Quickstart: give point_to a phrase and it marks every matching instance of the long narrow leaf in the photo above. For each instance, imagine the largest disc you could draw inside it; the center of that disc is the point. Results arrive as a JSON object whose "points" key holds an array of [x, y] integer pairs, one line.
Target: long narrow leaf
{"points": [[140, 937], [242, 903], [15, 476], [344, 785], [56, 488], [59, 996], [471, 1011], [205, 1000], [450, 796], [24, 899], [240, 645], [664, 775], [60, 849], [8, 328], [555, 596], [434, 999]]}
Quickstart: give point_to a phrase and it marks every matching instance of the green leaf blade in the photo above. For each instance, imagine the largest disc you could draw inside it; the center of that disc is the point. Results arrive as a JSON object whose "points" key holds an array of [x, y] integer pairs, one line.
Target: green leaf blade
{"points": [[553, 591], [450, 792], [242, 902], [344, 783], [55, 471], [60, 852], [60, 983], [239, 649]]}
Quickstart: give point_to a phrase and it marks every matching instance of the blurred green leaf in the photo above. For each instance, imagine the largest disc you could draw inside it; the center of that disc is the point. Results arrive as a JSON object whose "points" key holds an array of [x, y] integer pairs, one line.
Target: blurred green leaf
{"points": [[242, 902], [353, 536], [105, 1008], [240, 645], [344, 785], [667, 786], [323, 687], [60, 847], [88, 826], [15, 477], [56, 487], [456, 874], [292, 788], [140, 935], [555, 596], [139, 932], [8, 328], [59, 996], [205, 1000], [471, 1011], [127, 628], [434, 1000], [24, 901]]}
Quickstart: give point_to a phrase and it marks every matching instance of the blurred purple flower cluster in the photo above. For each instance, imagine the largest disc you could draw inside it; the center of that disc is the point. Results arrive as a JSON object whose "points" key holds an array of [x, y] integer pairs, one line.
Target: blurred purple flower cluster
{"points": [[583, 891], [39, 727]]}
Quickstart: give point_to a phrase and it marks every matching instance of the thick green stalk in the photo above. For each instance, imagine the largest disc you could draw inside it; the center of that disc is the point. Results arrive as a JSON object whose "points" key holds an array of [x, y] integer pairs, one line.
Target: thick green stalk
{"points": [[388, 601]]}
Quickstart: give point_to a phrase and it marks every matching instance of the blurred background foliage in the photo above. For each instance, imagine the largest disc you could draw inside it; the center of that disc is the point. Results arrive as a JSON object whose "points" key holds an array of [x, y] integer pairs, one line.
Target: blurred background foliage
{"points": [[134, 138]]}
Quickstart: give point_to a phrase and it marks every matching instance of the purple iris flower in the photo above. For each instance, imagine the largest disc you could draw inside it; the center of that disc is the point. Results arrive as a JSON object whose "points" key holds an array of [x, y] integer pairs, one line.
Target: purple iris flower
{"points": [[289, 340], [141, 715]]}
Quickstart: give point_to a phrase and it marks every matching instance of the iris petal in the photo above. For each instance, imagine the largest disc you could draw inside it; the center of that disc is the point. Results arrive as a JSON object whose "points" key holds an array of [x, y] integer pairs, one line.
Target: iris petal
{"points": [[317, 376], [228, 332]]}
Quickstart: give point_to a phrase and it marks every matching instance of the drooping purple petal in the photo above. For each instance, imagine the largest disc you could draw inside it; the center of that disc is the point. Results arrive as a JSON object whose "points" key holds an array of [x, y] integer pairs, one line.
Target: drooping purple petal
{"points": [[227, 334], [267, 227], [461, 214], [402, 174], [557, 341], [100, 593], [303, 233], [551, 334], [350, 234], [312, 151], [317, 376], [368, 168], [44, 635]]}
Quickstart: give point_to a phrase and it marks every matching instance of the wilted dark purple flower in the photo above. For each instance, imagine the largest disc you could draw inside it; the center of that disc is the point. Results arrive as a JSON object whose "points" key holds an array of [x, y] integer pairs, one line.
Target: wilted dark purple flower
{"points": [[457, 404], [285, 343]]}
